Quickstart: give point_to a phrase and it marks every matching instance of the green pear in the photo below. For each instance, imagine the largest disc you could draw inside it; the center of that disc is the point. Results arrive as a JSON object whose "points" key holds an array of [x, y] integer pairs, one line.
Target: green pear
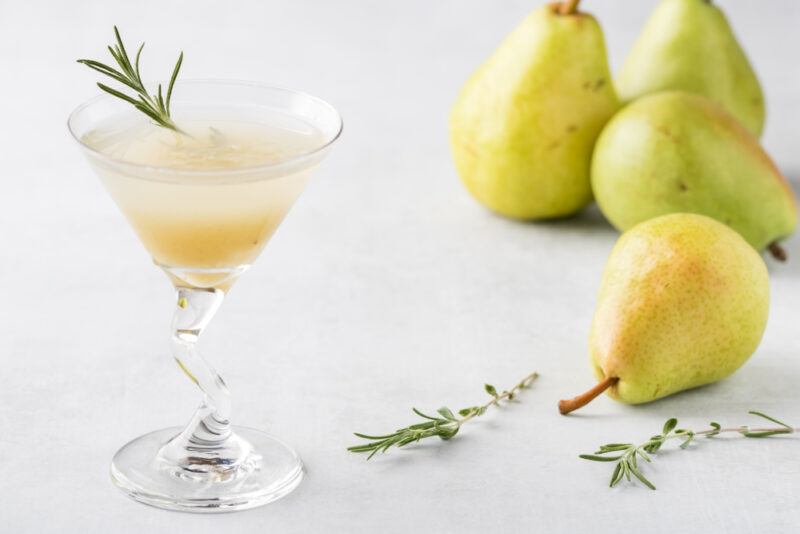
{"points": [[683, 302], [523, 126], [689, 45], [679, 152]]}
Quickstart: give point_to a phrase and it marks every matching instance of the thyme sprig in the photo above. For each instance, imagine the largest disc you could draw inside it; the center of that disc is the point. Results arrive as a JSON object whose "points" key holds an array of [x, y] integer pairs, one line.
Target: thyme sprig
{"points": [[154, 106], [627, 456], [445, 426]]}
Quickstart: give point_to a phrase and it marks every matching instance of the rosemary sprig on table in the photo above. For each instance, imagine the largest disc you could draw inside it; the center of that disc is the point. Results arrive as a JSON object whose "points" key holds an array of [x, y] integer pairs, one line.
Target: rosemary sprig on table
{"points": [[445, 426], [626, 460], [154, 106]]}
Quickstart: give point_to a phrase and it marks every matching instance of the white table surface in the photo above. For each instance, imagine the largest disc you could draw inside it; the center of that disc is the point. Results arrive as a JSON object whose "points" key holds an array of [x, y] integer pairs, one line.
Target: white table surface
{"points": [[387, 287]]}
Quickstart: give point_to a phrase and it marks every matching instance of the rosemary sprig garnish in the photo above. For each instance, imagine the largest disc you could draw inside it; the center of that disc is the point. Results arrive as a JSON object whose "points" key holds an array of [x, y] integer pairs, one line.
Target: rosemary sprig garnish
{"points": [[445, 427], [154, 106], [627, 453]]}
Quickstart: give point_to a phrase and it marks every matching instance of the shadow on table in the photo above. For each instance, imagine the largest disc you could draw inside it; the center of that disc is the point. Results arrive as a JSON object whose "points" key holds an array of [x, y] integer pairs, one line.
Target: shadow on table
{"points": [[793, 175], [753, 387], [590, 218], [589, 221]]}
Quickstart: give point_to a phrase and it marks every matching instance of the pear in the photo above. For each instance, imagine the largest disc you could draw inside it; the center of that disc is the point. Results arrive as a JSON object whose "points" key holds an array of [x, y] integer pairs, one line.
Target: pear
{"points": [[689, 45], [683, 302], [678, 152], [523, 127]]}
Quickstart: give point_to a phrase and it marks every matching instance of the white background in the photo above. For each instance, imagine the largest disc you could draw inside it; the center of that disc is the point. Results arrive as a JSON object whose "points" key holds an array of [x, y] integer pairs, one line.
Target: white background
{"points": [[387, 287]]}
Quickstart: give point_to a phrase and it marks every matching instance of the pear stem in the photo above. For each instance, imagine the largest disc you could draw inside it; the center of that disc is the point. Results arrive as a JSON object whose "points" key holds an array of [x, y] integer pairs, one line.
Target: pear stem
{"points": [[569, 7], [566, 406], [777, 251]]}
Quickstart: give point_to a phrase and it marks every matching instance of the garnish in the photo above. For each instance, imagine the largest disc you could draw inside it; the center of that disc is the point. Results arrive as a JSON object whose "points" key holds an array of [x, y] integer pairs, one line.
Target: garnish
{"points": [[154, 106], [626, 459], [445, 427]]}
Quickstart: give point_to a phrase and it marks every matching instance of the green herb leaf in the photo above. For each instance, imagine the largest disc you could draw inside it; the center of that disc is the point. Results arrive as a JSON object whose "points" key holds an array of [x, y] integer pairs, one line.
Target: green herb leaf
{"points": [[669, 425], [598, 458], [626, 463], [155, 107], [173, 78], [445, 427], [446, 413]]}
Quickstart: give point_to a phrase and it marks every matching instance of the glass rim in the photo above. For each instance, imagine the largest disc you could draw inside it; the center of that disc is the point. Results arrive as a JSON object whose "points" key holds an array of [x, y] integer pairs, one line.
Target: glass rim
{"points": [[329, 140]]}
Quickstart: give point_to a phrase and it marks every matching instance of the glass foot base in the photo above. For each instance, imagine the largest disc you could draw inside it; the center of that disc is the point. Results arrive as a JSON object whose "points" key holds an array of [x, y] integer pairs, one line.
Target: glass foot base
{"points": [[271, 471]]}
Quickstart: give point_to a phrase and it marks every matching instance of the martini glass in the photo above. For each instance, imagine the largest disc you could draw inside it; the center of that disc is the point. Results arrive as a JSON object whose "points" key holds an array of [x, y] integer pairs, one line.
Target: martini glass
{"points": [[204, 203]]}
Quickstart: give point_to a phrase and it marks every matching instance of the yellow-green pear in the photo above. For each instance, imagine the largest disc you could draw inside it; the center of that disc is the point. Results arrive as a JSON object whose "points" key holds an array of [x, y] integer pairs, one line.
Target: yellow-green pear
{"points": [[683, 302], [679, 152], [523, 126], [689, 45]]}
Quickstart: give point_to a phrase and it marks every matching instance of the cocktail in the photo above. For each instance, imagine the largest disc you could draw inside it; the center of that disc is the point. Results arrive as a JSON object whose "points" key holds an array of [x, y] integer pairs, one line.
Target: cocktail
{"points": [[205, 198]]}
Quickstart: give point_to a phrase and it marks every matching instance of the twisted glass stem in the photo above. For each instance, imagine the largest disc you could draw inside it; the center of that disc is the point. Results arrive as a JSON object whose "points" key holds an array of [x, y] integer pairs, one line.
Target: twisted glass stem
{"points": [[206, 448], [195, 310]]}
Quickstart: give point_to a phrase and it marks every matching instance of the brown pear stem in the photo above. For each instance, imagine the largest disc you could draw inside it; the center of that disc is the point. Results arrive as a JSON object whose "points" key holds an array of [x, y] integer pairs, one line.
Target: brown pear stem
{"points": [[566, 406], [777, 251], [569, 7]]}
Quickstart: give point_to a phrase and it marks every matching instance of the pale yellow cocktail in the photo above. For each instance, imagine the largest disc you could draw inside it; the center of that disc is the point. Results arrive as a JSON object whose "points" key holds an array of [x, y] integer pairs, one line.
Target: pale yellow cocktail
{"points": [[204, 228]]}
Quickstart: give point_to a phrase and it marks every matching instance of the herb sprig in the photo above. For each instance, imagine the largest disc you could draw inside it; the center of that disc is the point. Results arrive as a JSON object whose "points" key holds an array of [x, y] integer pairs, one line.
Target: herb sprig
{"points": [[154, 106], [445, 427], [627, 454]]}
